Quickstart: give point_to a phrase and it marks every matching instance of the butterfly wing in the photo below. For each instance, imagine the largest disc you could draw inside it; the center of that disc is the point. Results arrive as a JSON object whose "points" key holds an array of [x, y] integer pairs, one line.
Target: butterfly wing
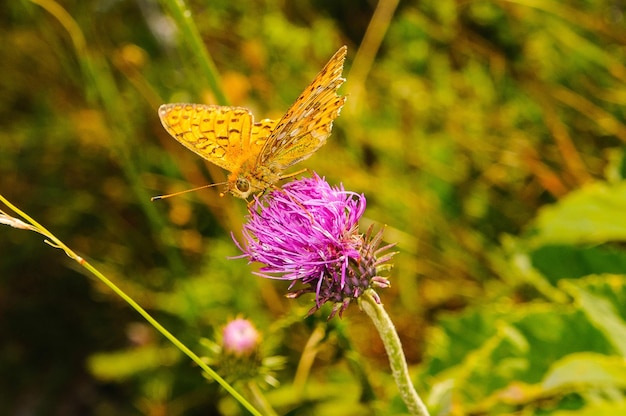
{"points": [[221, 135], [309, 121], [261, 131]]}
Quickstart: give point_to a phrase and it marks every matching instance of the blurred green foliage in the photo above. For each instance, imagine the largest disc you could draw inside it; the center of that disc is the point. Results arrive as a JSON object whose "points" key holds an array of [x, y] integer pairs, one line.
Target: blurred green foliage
{"points": [[488, 136]]}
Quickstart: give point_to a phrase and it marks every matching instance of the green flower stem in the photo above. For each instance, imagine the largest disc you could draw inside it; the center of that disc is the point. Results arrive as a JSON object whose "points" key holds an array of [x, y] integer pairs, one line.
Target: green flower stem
{"points": [[397, 361], [55, 242]]}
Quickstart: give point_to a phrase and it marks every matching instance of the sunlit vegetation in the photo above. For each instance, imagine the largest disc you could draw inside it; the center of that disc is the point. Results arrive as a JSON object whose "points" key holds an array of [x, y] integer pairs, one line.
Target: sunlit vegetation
{"points": [[488, 136]]}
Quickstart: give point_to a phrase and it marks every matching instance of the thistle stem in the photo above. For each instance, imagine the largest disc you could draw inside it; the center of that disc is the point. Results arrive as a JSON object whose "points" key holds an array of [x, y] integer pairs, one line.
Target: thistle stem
{"points": [[397, 360]]}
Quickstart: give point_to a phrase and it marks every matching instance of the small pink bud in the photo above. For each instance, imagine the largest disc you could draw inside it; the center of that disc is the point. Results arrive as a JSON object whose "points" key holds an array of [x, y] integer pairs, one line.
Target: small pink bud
{"points": [[240, 337]]}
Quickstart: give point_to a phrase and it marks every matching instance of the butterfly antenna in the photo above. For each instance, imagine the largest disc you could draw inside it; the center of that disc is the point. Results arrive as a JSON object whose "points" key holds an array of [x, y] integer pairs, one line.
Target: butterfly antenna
{"points": [[159, 197]]}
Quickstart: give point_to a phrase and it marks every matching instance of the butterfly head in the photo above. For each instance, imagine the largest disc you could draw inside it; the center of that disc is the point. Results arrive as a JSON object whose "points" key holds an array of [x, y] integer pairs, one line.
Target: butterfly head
{"points": [[240, 187], [250, 180]]}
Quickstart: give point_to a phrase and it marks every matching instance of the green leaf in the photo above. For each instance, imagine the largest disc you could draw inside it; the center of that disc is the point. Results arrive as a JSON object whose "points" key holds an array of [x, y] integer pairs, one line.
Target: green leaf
{"points": [[594, 214], [601, 313], [586, 370], [599, 408], [567, 261]]}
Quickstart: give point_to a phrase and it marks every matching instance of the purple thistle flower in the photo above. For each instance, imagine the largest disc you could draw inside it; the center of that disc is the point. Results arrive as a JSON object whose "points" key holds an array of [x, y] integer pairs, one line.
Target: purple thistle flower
{"points": [[307, 232]]}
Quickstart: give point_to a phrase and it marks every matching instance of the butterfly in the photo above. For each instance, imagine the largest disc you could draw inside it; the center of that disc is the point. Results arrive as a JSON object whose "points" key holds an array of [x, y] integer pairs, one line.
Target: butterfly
{"points": [[257, 153]]}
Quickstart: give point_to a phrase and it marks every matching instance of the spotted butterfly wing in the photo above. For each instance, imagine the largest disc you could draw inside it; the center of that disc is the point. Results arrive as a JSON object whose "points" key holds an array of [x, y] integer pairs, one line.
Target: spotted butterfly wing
{"points": [[307, 124], [222, 135]]}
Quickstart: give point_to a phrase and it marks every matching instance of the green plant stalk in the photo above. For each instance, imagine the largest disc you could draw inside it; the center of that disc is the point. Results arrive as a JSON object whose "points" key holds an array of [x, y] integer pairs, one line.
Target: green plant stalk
{"points": [[397, 361], [260, 399], [55, 242], [182, 16]]}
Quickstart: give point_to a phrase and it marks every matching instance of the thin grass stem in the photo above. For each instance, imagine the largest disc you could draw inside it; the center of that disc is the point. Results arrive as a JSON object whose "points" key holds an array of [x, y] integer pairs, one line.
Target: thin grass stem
{"points": [[57, 243]]}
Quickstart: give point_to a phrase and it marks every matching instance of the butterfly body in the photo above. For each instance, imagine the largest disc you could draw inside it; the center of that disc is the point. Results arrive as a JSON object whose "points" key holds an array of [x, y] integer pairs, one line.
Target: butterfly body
{"points": [[257, 153], [251, 178]]}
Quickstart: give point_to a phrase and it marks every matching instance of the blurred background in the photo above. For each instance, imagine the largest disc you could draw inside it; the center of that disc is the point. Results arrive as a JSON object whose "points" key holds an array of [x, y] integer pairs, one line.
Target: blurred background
{"points": [[487, 135]]}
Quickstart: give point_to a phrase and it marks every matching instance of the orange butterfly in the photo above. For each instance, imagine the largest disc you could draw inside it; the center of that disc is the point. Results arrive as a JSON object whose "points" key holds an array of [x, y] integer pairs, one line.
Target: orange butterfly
{"points": [[256, 154]]}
